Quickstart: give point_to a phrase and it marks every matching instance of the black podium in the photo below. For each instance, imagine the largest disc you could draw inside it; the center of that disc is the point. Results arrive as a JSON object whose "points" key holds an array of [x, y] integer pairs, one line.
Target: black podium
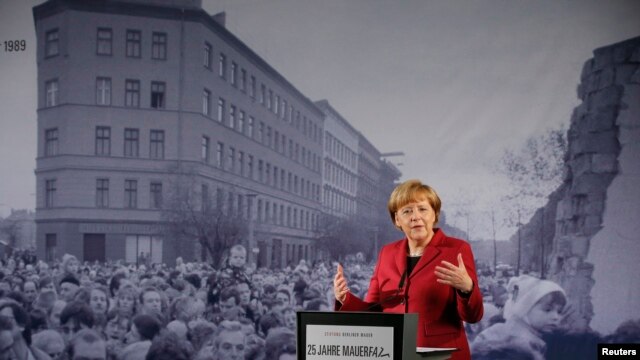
{"points": [[361, 335]]}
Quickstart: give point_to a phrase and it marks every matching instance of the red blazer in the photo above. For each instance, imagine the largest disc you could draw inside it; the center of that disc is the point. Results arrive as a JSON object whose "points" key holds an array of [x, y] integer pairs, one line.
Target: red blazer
{"points": [[441, 309]]}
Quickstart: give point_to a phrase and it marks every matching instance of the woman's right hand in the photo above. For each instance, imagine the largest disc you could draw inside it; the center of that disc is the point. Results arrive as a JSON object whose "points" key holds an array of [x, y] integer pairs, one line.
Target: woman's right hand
{"points": [[340, 288]]}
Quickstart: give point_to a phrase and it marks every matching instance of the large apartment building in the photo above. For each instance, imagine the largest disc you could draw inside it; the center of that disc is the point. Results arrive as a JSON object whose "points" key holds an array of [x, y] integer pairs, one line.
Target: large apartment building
{"points": [[132, 92]]}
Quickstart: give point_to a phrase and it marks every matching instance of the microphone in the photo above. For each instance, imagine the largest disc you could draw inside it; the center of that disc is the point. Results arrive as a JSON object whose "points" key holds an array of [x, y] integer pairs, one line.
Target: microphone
{"points": [[378, 305]]}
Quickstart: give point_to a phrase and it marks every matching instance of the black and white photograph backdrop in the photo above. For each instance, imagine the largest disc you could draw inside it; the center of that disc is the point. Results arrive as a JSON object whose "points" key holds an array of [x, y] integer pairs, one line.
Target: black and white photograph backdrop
{"points": [[199, 145]]}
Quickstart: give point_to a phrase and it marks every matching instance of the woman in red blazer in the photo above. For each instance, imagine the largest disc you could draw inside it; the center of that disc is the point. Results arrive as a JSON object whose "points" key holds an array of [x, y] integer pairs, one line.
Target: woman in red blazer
{"points": [[427, 273]]}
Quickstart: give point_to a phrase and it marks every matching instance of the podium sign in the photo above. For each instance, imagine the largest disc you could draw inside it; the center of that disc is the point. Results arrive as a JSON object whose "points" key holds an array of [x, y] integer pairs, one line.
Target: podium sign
{"points": [[355, 335]]}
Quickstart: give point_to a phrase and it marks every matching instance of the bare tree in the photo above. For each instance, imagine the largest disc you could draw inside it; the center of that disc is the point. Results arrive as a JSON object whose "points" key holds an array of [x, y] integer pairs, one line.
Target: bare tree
{"points": [[192, 215], [534, 171], [10, 227], [340, 236]]}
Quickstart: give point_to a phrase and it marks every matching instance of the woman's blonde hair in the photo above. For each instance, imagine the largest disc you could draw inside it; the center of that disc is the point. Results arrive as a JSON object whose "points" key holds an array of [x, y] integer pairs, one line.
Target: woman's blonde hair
{"points": [[411, 191]]}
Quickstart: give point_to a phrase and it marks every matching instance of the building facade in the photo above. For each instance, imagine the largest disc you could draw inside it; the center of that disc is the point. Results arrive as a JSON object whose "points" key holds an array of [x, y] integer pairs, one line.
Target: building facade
{"points": [[133, 94]]}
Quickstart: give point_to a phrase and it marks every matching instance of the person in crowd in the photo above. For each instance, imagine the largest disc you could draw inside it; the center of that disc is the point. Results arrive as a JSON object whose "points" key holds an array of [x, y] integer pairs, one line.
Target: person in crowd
{"points": [[126, 300], [144, 328], [49, 341], [39, 320], [280, 344], [87, 344], [55, 312], [534, 308], [168, 346], [69, 286], [75, 316], [117, 326], [30, 292], [98, 300], [150, 301], [15, 334], [230, 341], [427, 272]]}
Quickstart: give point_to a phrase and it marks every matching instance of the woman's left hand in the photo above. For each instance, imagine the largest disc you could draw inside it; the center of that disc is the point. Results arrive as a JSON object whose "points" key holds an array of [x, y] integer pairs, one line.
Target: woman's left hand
{"points": [[455, 276]]}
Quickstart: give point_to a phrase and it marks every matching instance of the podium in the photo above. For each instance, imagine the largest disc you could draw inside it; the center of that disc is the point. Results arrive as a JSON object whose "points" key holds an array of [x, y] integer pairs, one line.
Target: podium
{"points": [[361, 335]]}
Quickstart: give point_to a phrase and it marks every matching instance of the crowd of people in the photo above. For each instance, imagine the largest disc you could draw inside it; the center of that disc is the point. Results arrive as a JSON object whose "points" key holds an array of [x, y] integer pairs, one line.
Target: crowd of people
{"points": [[69, 310]]}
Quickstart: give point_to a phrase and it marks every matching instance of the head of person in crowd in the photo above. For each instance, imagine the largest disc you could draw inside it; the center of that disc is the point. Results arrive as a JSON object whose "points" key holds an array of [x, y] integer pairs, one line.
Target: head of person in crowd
{"points": [[20, 325], [114, 283], [150, 300], [39, 320], [98, 300], [284, 295], [69, 285], [244, 292], [87, 344], [537, 302], [199, 332], [55, 312], [75, 316], [270, 320], [229, 299], [289, 318], [17, 282], [269, 291], [5, 286], [627, 332], [118, 325], [237, 256], [143, 328], [49, 341], [180, 308], [317, 304], [505, 351], [127, 299], [179, 328], [168, 346], [30, 291], [230, 341], [280, 344], [70, 265], [46, 283], [194, 280]]}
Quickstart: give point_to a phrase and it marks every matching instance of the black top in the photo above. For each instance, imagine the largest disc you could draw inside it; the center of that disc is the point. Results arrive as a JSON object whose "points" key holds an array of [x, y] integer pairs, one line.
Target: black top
{"points": [[412, 261]]}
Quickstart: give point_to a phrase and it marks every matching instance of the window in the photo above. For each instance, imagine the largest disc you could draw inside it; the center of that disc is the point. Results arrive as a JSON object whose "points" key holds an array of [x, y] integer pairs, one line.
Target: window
{"points": [[102, 193], [159, 46], [103, 140], [243, 80], [156, 150], [241, 162], [221, 110], [51, 243], [270, 100], [52, 43], [51, 92], [132, 93], [263, 93], [241, 117], [155, 195], [232, 116], [157, 95], [222, 66], [231, 162], [205, 149], [103, 91], [206, 102], [261, 132], [131, 194], [49, 193], [219, 154], [131, 142], [250, 127], [234, 73], [252, 89], [105, 39], [250, 166], [51, 142], [134, 38], [208, 51], [276, 105]]}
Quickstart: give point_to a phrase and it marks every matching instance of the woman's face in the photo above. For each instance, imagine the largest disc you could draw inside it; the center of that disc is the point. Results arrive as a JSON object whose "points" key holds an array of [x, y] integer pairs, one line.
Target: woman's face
{"points": [[416, 219], [72, 266], [290, 319], [126, 302]]}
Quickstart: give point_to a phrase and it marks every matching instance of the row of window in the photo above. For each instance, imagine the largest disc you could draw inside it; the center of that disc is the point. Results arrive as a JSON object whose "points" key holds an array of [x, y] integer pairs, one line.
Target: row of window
{"points": [[236, 161], [104, 89], [282, 109], [339, 177], [236, 119], [102, 194], [104, 43], [339, 151], [103, 142], [338, 201]]}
